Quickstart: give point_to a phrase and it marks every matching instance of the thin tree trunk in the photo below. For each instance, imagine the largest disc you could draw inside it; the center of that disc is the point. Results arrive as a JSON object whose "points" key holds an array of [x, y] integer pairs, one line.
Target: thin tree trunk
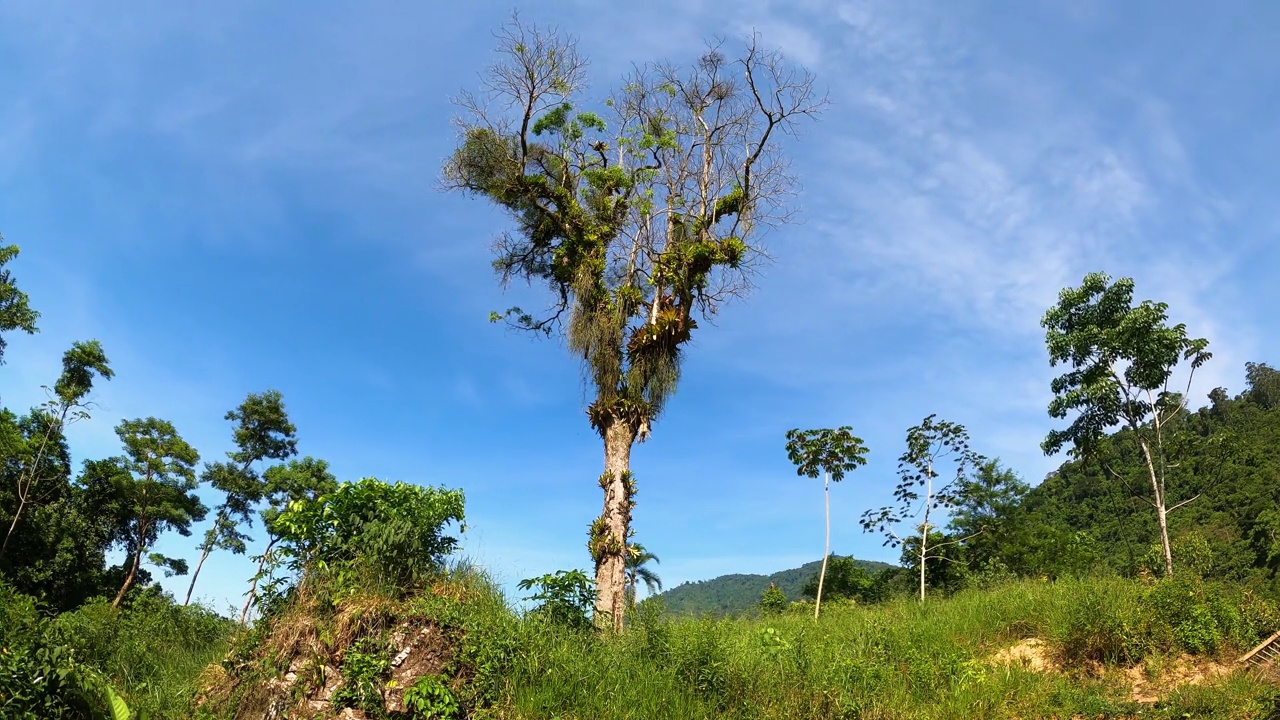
{"points": [[24, 493], [203, 556], [253, 587], [826, 545], [1157, 488], [610, 548], [924, 529], [128, 578]]}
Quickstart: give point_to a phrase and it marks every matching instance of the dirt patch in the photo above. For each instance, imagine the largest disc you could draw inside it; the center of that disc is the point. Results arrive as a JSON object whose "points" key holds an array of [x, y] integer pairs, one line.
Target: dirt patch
{"points": [[296, 668], [1151, 682], [1030, 654], [421, 651]]}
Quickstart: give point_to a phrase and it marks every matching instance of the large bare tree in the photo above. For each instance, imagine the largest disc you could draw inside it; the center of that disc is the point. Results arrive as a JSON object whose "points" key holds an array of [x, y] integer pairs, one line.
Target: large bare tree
{"points": [[638, 213]]}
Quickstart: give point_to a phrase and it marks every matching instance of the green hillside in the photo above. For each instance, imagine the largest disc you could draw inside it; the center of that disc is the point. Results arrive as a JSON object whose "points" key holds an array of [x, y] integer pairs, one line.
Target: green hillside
{"points": [[737, 593]]}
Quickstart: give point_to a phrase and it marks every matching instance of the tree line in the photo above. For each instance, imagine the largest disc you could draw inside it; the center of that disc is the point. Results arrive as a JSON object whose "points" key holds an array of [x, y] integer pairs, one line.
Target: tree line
{"points": [[60, 522]]}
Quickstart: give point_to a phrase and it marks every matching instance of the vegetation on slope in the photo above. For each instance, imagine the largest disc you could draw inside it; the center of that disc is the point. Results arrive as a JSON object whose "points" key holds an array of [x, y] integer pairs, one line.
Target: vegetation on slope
{"points": [[740, 592]]}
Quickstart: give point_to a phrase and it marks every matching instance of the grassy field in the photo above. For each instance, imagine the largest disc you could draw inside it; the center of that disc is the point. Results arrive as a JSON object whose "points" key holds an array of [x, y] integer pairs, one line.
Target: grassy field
{"points": [[1097, 648]]}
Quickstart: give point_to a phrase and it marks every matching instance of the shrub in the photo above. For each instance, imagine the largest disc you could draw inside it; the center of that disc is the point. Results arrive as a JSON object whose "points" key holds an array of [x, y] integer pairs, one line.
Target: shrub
{"points": [[429, 698], [773, 601], [371, 532], [566, 597], [41, 677], [364, 667]]}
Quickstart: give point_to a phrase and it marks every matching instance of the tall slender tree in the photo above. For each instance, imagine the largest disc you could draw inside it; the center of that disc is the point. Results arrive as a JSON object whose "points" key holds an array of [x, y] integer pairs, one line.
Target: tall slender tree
{"points": [[262, 432], [67, 404], [637, 214], [1122, 359], [919, 493], [831, 453], [160, 491]]}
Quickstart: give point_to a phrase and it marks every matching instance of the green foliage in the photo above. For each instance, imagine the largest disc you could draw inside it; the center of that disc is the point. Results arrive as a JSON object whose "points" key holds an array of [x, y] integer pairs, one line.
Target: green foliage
{"points": [[565, 596], [388, 536], [637, 572], [158, 489], [892, 660], [1122, 358], [365, 666], [845, 579], [151, 649], [739, 593], [40, 677], [15, 310], [773, 601], [833, 452], [919, 493], [429, 698], [262, 432], [1096, 329], [97, 661]]}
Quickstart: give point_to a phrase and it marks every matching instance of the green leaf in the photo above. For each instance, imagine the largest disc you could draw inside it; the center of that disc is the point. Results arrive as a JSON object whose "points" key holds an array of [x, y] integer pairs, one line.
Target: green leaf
{"points": [[119, 709]]}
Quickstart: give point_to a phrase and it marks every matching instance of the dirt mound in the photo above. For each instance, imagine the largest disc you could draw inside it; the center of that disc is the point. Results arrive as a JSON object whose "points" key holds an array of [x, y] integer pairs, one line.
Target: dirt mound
{"points": [[366, 653], [1183, 670], [1148, 682]]}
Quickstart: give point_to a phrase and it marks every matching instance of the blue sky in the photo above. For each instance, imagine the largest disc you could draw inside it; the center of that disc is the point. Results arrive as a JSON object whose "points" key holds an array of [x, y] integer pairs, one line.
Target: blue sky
{"points": [[235, 196]]}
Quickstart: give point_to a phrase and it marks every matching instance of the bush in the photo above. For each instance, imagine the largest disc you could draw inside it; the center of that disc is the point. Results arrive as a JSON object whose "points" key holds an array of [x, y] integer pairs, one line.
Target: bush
{"points": [[773, 601], [566, 597], [389, 536], [42, 678], [430, 698]]}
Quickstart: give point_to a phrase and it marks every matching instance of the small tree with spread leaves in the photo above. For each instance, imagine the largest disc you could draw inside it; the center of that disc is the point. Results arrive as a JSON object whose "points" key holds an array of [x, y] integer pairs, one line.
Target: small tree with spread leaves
{"points": [[831, 454], [263, 432], [919, 493], [159, 493], [637, 214], [67, 404], [1122, 359]]}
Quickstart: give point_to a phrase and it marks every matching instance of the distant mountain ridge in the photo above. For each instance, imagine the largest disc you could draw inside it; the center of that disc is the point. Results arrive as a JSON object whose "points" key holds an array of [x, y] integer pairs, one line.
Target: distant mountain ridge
{"points": [[739, 592]]}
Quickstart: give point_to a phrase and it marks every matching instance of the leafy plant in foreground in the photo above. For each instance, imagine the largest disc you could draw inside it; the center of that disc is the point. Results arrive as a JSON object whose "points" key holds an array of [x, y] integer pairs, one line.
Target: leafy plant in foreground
{"points": [[566, 596], [429, 698]]}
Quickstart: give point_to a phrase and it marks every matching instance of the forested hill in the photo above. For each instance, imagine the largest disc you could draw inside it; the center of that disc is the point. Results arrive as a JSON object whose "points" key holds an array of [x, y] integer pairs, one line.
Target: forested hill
{"points": [[737, 593], [1227, 471]]}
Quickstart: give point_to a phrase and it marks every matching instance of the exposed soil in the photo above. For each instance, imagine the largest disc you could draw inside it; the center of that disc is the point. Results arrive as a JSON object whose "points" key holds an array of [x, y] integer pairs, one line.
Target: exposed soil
{"points": [[1148, 682], [1030, 654], [1184, 670], [308, 663]]}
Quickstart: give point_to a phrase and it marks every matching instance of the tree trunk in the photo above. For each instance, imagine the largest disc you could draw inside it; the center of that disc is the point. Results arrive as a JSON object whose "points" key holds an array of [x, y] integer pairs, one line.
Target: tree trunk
{"points": [[924, 528], [1162, 514], [24, 493], [253, 587], [203, 556], [826, 545], [128, 578], [609, 532]]}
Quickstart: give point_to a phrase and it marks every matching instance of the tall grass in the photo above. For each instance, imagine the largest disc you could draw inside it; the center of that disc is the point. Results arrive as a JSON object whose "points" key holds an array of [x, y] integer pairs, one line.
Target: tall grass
{"points": [[896, 660], [150, 651], [902, 659]]}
